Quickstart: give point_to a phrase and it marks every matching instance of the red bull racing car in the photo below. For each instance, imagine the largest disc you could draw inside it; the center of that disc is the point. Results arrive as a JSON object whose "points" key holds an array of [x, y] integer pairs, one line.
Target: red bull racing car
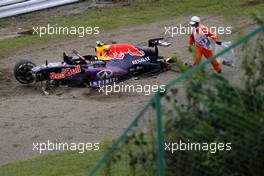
{"points": [[111, 63]]}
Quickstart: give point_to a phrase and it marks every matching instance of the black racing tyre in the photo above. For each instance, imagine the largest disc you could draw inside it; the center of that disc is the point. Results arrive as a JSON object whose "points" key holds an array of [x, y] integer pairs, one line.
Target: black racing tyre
{"points": [[23, 71]]}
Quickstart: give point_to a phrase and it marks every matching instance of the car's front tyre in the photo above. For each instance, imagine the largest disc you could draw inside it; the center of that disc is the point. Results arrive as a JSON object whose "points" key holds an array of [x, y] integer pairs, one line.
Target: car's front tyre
{"points": [[23, 71]]}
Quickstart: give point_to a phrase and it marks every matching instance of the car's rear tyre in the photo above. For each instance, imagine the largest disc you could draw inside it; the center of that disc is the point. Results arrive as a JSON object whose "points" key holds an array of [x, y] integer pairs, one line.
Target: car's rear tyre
{"points": [[23, 71]]}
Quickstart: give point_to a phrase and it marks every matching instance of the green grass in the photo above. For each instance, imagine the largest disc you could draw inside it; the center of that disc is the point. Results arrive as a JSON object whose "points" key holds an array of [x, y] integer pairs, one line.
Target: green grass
{"points": [[67, 164], [60, 163], [142, 11]]}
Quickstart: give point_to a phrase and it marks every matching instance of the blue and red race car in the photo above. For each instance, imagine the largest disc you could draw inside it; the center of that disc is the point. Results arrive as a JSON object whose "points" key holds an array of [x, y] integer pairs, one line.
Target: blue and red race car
{"points": [[111, 63]]}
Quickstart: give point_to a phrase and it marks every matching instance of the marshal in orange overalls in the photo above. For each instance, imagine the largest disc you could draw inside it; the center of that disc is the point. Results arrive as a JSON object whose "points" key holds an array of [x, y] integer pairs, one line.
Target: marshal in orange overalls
{"points": [[200, 38]]}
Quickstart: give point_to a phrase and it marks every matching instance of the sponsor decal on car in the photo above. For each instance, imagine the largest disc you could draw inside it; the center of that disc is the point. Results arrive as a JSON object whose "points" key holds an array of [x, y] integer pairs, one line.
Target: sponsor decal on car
{"points": [[104, 74], [65, 73], [98, 83], [141, 60], [118, 51]]}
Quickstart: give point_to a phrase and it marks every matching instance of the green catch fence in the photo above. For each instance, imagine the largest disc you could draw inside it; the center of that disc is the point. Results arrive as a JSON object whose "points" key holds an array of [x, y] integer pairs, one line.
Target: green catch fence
{"points": [[169, 135]]}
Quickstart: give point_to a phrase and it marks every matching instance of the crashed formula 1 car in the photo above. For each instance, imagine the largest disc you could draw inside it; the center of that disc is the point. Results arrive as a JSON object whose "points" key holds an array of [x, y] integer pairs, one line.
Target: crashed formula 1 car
{"points": [[111, 63]]}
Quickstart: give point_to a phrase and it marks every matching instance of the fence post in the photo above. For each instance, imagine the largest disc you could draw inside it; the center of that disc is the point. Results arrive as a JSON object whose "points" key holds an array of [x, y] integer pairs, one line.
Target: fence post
{"points": [[160, 149]]}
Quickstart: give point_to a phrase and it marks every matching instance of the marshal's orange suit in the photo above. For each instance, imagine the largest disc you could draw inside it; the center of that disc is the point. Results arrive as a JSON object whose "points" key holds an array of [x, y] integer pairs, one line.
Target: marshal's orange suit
{"points": [[200, 38]]}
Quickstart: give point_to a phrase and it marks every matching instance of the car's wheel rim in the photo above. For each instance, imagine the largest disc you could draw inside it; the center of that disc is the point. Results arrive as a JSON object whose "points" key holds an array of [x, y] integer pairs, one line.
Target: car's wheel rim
{"points": [[24, 75]]}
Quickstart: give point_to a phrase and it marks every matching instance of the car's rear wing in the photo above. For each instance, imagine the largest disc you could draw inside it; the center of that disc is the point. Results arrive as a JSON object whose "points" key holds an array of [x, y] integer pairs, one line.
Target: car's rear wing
{"points": [[158, 42]]}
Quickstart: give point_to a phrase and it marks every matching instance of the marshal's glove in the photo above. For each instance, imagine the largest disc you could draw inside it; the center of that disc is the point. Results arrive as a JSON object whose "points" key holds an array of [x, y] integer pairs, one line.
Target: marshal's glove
{"points": [[190, 49], [218, 43]]}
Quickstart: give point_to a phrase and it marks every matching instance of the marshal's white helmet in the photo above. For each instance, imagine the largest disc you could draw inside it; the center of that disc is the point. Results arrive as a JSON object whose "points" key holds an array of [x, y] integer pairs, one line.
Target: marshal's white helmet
{"points": [[194, 19]]}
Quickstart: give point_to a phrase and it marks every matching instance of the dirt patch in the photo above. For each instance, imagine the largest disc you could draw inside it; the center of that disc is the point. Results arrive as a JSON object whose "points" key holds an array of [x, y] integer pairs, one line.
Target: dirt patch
{"points": [[252, 3], [78, 114]]}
